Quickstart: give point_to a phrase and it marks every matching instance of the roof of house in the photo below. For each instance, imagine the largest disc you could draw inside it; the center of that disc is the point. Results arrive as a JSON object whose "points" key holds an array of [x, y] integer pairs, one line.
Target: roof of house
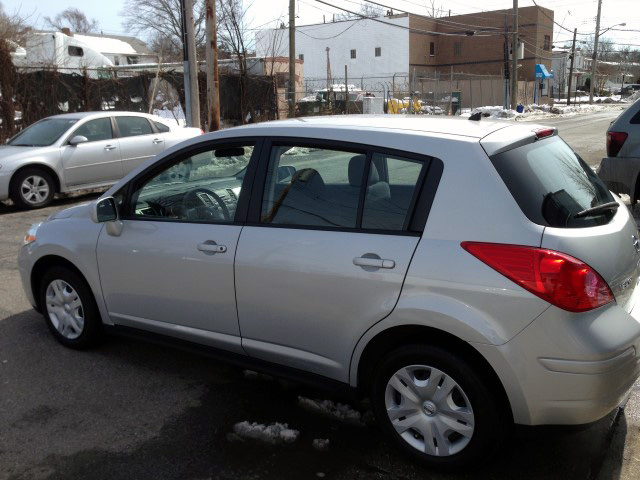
{"points": [[110, 44]]}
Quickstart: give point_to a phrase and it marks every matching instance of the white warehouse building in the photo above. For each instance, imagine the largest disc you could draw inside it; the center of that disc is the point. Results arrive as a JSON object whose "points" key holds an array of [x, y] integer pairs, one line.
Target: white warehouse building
{"points": [[371, 50]]}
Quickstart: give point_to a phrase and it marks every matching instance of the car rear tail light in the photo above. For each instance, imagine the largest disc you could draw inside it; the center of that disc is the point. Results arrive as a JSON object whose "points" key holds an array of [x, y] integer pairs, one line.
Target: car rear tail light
{"points": [[201, 132], [558, 278], [544, 132], [615, 140]]}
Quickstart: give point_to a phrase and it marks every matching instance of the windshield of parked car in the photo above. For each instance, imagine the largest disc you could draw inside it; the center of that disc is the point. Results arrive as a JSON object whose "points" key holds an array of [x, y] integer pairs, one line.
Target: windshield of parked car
{"points": [[42, 133], [553, 186]]}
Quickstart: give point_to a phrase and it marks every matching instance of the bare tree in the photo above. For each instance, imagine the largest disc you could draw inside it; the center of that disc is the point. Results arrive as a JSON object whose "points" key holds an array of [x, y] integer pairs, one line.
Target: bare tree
{"points": [[605, 48], [73, 19], [162, 19], [233, 36], [366, 10], [166, 46], [12, 26]]}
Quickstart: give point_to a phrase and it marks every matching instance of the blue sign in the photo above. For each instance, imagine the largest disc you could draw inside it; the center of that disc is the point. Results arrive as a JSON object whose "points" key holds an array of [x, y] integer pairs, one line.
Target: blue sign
{"points": [[542, 72]]}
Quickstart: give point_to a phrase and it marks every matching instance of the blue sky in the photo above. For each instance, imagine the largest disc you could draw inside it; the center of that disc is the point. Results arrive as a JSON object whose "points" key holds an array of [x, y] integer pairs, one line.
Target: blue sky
{"points": [[570, 13]]}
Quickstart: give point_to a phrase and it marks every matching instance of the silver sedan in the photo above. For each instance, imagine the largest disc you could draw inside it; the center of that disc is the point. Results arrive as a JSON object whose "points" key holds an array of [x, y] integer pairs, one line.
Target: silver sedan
{"points": [[81, 150]]}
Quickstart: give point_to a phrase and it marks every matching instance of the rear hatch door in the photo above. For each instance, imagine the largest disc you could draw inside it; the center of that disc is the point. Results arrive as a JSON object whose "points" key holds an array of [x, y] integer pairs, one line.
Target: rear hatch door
{"points": [[555, 188]]}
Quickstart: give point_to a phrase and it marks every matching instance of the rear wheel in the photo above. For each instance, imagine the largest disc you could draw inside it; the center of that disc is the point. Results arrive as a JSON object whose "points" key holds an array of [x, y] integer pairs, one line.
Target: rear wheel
{"points": [[69, 308], [32, 188], [438, 407]]}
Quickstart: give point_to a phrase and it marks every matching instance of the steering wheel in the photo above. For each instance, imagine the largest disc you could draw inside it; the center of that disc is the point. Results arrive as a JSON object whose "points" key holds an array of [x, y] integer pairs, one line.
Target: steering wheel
{"points": [[192, 200]]}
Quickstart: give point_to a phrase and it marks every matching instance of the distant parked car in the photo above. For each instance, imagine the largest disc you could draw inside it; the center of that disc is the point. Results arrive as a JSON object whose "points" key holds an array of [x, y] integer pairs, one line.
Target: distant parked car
{"points": [[620, 170], [463, 275], [80, 150], [630, 89]]}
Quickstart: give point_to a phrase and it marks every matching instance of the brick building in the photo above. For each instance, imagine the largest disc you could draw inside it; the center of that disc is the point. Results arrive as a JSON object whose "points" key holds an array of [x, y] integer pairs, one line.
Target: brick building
{"points": [[410, 45]]}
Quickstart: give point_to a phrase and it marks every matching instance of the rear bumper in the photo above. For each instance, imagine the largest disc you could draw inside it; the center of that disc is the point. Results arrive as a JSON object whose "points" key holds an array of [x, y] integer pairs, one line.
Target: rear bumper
{"points": [[569, 369], [619, 174]]}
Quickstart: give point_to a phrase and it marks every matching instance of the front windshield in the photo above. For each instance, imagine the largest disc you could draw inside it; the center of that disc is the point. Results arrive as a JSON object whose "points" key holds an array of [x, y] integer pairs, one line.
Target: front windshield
{"points": [[42, 133]]}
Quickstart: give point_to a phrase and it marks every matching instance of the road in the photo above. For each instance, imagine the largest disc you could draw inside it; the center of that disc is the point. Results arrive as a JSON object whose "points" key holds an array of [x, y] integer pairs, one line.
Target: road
{"points": [[133, 410], [585, 133]]}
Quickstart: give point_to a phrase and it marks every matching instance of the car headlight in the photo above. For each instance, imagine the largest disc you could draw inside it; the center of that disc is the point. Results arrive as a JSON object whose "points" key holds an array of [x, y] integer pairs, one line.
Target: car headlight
{"points": [[30, 237]]}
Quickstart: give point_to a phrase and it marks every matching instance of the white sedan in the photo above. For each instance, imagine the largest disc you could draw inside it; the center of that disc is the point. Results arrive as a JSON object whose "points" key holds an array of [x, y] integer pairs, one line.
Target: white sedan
{"points": [[77, 151]]}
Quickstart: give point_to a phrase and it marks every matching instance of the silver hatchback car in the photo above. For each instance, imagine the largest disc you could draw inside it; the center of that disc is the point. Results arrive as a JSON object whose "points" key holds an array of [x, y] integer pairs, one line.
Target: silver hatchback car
{"points": [[464, 275]]}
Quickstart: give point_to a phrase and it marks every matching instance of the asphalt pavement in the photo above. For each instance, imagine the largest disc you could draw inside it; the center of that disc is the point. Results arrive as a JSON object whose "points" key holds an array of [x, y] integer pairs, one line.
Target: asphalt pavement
{"points": [[134, 410]]}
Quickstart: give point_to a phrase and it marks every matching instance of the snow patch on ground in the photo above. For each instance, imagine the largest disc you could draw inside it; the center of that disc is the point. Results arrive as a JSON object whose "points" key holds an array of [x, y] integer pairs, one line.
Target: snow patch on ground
{"points": [[340, 411], [534, 112], [274, 433], [320, 444]]}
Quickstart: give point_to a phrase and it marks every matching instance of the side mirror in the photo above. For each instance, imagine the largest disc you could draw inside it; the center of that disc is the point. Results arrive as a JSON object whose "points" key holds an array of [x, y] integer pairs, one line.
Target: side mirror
{"points": [[104, 210], [77, 140], [286, 172]]}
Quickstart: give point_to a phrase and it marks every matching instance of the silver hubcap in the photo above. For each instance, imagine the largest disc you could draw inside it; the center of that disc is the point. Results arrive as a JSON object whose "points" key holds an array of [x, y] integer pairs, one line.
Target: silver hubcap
{"points": [[429, 410], [34, 189], [65, 309]]}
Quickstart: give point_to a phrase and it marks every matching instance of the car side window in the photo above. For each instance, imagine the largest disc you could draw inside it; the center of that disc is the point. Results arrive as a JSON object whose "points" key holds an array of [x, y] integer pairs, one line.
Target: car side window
{"points": [[95, 130], [162, 128], [204, 187], [133, 126], [391, 189], [312, 187]]}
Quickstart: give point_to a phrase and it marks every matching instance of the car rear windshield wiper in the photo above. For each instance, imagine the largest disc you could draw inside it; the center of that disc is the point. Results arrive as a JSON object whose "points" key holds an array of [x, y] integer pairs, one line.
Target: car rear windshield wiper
{"points": [[597, 209]]}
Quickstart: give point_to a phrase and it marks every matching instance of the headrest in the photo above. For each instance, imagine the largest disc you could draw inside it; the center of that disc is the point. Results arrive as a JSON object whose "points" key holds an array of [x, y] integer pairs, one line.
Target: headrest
{"points": [[307, 178], [356, 170]]}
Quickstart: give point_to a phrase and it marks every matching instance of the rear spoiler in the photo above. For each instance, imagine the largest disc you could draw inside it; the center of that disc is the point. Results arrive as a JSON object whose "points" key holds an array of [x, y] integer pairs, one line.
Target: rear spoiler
{"points": [[515, 136]]}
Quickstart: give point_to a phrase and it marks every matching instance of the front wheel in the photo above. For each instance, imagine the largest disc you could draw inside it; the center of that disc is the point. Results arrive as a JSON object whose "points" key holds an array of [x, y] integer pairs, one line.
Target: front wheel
{"points": [[69, 308], [437, 407], [32, 188]]}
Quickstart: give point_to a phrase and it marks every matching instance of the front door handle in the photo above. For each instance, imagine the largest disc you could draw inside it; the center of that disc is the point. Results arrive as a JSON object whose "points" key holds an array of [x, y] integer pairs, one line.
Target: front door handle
{"points": [[110, 147], [211, 247], [373, 262], [157, 141]]}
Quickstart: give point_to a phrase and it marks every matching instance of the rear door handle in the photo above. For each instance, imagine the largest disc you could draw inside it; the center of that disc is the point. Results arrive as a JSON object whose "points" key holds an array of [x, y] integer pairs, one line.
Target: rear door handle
{"points": [[373, 262], [157, 141], [211, 247], [110, 147]]}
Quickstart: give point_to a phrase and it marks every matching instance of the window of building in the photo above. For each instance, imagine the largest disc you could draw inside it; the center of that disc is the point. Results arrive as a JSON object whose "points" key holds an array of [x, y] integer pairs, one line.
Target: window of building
{"points": [[378, 51], [432, 49], [353, 54], [301, 57], [457, 49], [547, 42], [75, 51]]}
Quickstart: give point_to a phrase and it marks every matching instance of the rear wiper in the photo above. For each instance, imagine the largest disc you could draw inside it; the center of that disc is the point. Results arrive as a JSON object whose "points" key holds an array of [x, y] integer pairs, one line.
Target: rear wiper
{"points": [[596, 210]]}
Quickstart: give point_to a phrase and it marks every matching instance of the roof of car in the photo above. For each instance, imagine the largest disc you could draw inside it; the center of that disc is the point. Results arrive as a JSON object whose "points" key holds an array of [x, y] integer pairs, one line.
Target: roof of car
{"points": [[418, 123], [81, 115]]}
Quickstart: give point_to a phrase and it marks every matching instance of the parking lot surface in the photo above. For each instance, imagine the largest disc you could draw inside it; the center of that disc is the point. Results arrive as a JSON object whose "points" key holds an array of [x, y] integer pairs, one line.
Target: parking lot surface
{"points": [[134, 410]]}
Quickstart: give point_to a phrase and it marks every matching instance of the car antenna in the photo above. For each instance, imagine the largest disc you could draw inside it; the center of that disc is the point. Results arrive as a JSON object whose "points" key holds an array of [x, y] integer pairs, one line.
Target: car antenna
{"points": [[476, 117]]}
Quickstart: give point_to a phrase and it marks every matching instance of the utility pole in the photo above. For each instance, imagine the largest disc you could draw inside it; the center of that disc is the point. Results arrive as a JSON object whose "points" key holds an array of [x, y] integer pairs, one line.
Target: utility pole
{"points": [[213, 94], [573, 56], [292, 58], [594, 61], [346, 92], [514, 57], [190, 65]]}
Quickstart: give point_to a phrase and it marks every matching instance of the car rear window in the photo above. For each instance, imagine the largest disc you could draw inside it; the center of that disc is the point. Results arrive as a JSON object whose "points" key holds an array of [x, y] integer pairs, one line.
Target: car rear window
{"points": [[551, 184]]}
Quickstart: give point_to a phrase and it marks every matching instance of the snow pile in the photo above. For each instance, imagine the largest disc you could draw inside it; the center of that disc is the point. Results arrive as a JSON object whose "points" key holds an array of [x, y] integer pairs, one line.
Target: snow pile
{"points": [[321, 444], [495, 112], [274, 433], [341, 411], [251, 375], [634, 97], [298, 151]]}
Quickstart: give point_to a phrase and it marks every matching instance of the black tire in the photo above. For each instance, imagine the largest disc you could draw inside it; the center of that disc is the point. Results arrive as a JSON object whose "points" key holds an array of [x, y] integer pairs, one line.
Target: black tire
{"points": [[22, 199], [491, 418], [91, 330]]}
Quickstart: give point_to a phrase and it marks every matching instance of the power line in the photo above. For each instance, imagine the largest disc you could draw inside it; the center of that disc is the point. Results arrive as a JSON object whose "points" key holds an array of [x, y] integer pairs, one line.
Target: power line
{"points": [[551, 18], [413, 30]]}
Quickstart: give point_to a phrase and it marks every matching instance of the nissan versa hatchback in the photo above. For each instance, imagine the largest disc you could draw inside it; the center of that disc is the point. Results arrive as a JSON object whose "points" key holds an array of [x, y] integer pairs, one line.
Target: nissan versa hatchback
{"points": [[463, 275]]}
